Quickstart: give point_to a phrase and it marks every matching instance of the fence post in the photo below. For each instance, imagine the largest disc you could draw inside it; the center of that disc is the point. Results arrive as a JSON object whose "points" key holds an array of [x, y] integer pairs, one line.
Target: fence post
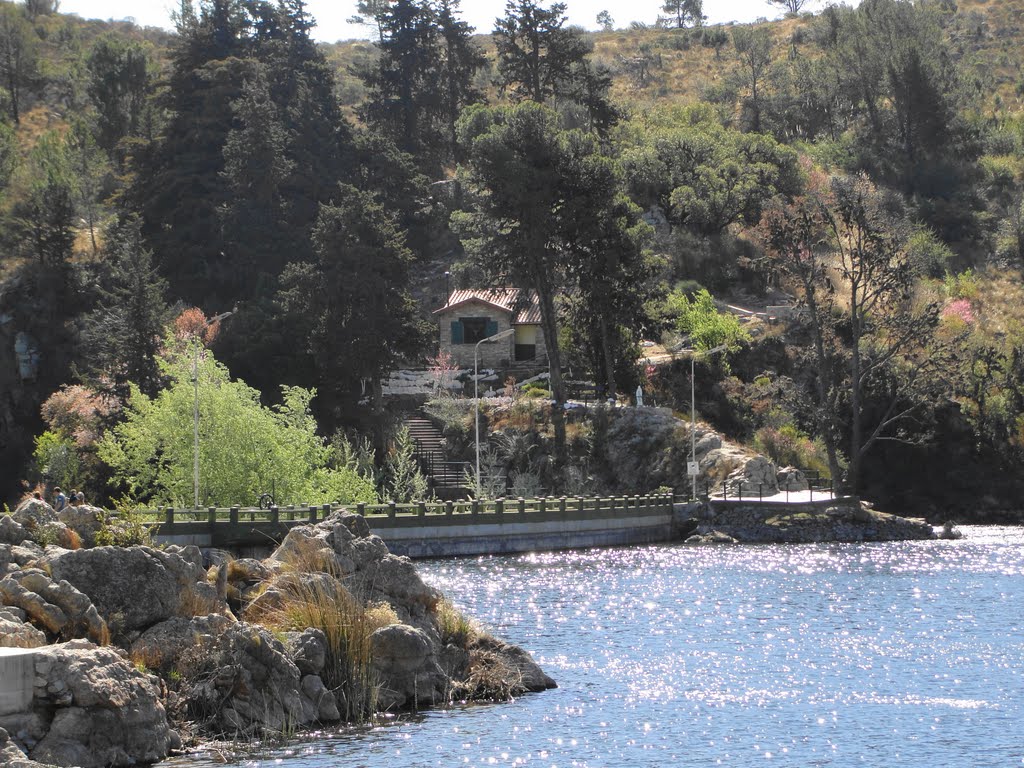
{"points": [[522, 506], [579, 503], [760, 492], [169, 516], [543, 504], [211, 515], [725, 491], [361, 509], [392, 508], [561, 504], [326, 508], [474, 507], [422, 509], [233, 515], [499, 507], [449, 507]]}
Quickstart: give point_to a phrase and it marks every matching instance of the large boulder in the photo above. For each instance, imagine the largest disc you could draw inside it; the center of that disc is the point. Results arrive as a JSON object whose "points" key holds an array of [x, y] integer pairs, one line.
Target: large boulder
{"points": [[11, 531], [755, 476], [34, 513], [404, 659], [244, 682], [132, 587], [84, 520], [343, 546], [162, 646], [92, 708]]}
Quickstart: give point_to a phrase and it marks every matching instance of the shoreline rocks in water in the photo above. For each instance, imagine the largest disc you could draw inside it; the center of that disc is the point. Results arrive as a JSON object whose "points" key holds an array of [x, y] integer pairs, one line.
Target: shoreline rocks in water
{"points": [[840, 520], [331, 627]]}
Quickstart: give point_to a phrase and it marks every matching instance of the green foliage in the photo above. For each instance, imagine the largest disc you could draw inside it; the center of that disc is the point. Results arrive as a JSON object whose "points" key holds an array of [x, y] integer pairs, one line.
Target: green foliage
{"points": [[127, 526], [244, 446], [403, 481], [119, 81], [699, 319], [706, 177], [352, 303], [56, 458]]}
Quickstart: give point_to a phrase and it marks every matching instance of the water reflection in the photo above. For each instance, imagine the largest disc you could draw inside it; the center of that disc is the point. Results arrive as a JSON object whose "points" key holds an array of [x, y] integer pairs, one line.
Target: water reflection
{"points": [[872, 654]]}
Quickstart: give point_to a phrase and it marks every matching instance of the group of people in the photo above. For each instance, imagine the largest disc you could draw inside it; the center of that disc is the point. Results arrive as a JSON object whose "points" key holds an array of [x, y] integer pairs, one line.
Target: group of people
{"points": [[60, 501]]}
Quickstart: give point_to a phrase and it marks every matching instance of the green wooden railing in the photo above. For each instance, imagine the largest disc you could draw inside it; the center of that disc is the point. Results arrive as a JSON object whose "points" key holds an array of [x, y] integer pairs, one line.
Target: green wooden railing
{"points": [[169, 519]]}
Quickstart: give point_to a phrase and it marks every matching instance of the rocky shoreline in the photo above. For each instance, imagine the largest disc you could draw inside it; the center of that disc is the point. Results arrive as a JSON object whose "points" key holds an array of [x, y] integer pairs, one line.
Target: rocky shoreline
{"points": [[839, 520], [134, 653]]}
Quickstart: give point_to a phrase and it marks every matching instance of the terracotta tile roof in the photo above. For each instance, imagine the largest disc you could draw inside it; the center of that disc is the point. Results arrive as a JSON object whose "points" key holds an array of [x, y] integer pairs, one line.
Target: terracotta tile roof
{"points": [[526, 307]]}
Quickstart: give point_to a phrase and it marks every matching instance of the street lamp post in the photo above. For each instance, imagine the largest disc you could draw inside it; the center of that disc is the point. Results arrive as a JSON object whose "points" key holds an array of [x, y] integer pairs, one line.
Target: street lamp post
{"points": [[693, 414], [476, 395], [195, 407]]}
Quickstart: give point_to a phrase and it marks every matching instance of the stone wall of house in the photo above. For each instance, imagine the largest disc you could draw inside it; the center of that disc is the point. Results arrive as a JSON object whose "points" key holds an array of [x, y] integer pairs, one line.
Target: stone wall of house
{"points": [[496, 354]]}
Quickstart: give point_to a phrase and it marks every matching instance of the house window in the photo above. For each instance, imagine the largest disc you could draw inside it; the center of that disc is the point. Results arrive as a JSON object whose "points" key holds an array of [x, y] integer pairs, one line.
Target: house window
{"points": [[470, 330]]}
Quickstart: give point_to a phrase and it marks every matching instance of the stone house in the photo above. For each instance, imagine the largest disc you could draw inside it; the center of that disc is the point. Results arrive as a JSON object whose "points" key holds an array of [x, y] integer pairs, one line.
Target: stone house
{"points": [[473, 314]]}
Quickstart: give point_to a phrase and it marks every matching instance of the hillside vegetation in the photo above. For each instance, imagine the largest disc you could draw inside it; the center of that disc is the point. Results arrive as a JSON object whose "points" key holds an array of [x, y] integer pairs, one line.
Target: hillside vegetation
{"points": [[864, 166]]}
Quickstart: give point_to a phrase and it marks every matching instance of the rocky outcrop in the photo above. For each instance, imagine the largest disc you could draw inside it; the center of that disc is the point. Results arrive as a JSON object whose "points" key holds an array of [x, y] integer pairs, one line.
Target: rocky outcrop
{"points": [[34, 513], [405, 660], [134, 588], [245, 683], [840, 520], [56, 606], [11, 755], [16, 632], [91, 708]]}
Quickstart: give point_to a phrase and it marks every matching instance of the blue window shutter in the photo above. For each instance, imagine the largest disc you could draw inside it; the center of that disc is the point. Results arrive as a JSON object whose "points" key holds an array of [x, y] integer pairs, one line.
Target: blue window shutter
{"points": [[456, 332], [492, 327]]}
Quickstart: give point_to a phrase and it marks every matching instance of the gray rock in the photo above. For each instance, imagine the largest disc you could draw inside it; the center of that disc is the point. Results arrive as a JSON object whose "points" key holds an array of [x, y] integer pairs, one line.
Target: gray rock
{"points": [[58, 606], [308, 650], [245, 683], [318, 703], [132, 587], [105, 712], [11, 756], [33, 513], [11, 531], [162, 646], [84, 520], [15, 632], [403, 658]]}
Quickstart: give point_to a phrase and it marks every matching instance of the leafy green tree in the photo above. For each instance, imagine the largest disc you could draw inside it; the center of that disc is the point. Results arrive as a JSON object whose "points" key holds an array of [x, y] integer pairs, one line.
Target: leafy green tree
{"points": [[245, 448], [686, 13], [19, 56], [403, 481], [707, 177], [605, 21], [546, 215], [536, 52], [48, 213], [699, 318]]}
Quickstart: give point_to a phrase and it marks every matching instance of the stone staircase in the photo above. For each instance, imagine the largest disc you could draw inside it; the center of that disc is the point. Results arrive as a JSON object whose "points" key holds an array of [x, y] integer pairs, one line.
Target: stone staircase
{"points": [[443, 475]]}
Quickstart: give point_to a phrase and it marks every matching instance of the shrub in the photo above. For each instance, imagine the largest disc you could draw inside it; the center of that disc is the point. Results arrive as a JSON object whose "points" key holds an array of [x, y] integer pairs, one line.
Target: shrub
{"points": [[787, 446]]}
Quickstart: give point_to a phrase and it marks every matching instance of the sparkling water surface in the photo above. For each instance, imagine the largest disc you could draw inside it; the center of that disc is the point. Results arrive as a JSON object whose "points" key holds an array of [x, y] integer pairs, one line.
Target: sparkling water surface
{"points": [[900, 654]]}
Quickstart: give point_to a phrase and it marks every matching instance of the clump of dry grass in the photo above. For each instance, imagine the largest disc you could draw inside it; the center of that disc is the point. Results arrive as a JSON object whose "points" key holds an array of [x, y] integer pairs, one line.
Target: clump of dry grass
{"points": [[454, 627], [314, 597], [491, 677]]}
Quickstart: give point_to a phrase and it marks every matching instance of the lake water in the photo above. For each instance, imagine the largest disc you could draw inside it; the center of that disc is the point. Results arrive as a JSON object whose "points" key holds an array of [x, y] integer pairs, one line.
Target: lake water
{"points": [[903, 654]]}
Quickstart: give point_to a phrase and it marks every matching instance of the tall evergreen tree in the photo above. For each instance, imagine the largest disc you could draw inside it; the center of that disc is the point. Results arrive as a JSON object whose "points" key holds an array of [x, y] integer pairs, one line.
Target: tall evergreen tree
{"points": [[122, 335], [119, 83], [352, 302], [543, 60]]}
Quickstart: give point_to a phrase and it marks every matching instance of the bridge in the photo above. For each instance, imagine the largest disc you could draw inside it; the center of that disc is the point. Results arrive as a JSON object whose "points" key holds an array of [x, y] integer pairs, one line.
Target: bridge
{"points": [[437, 529]]}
